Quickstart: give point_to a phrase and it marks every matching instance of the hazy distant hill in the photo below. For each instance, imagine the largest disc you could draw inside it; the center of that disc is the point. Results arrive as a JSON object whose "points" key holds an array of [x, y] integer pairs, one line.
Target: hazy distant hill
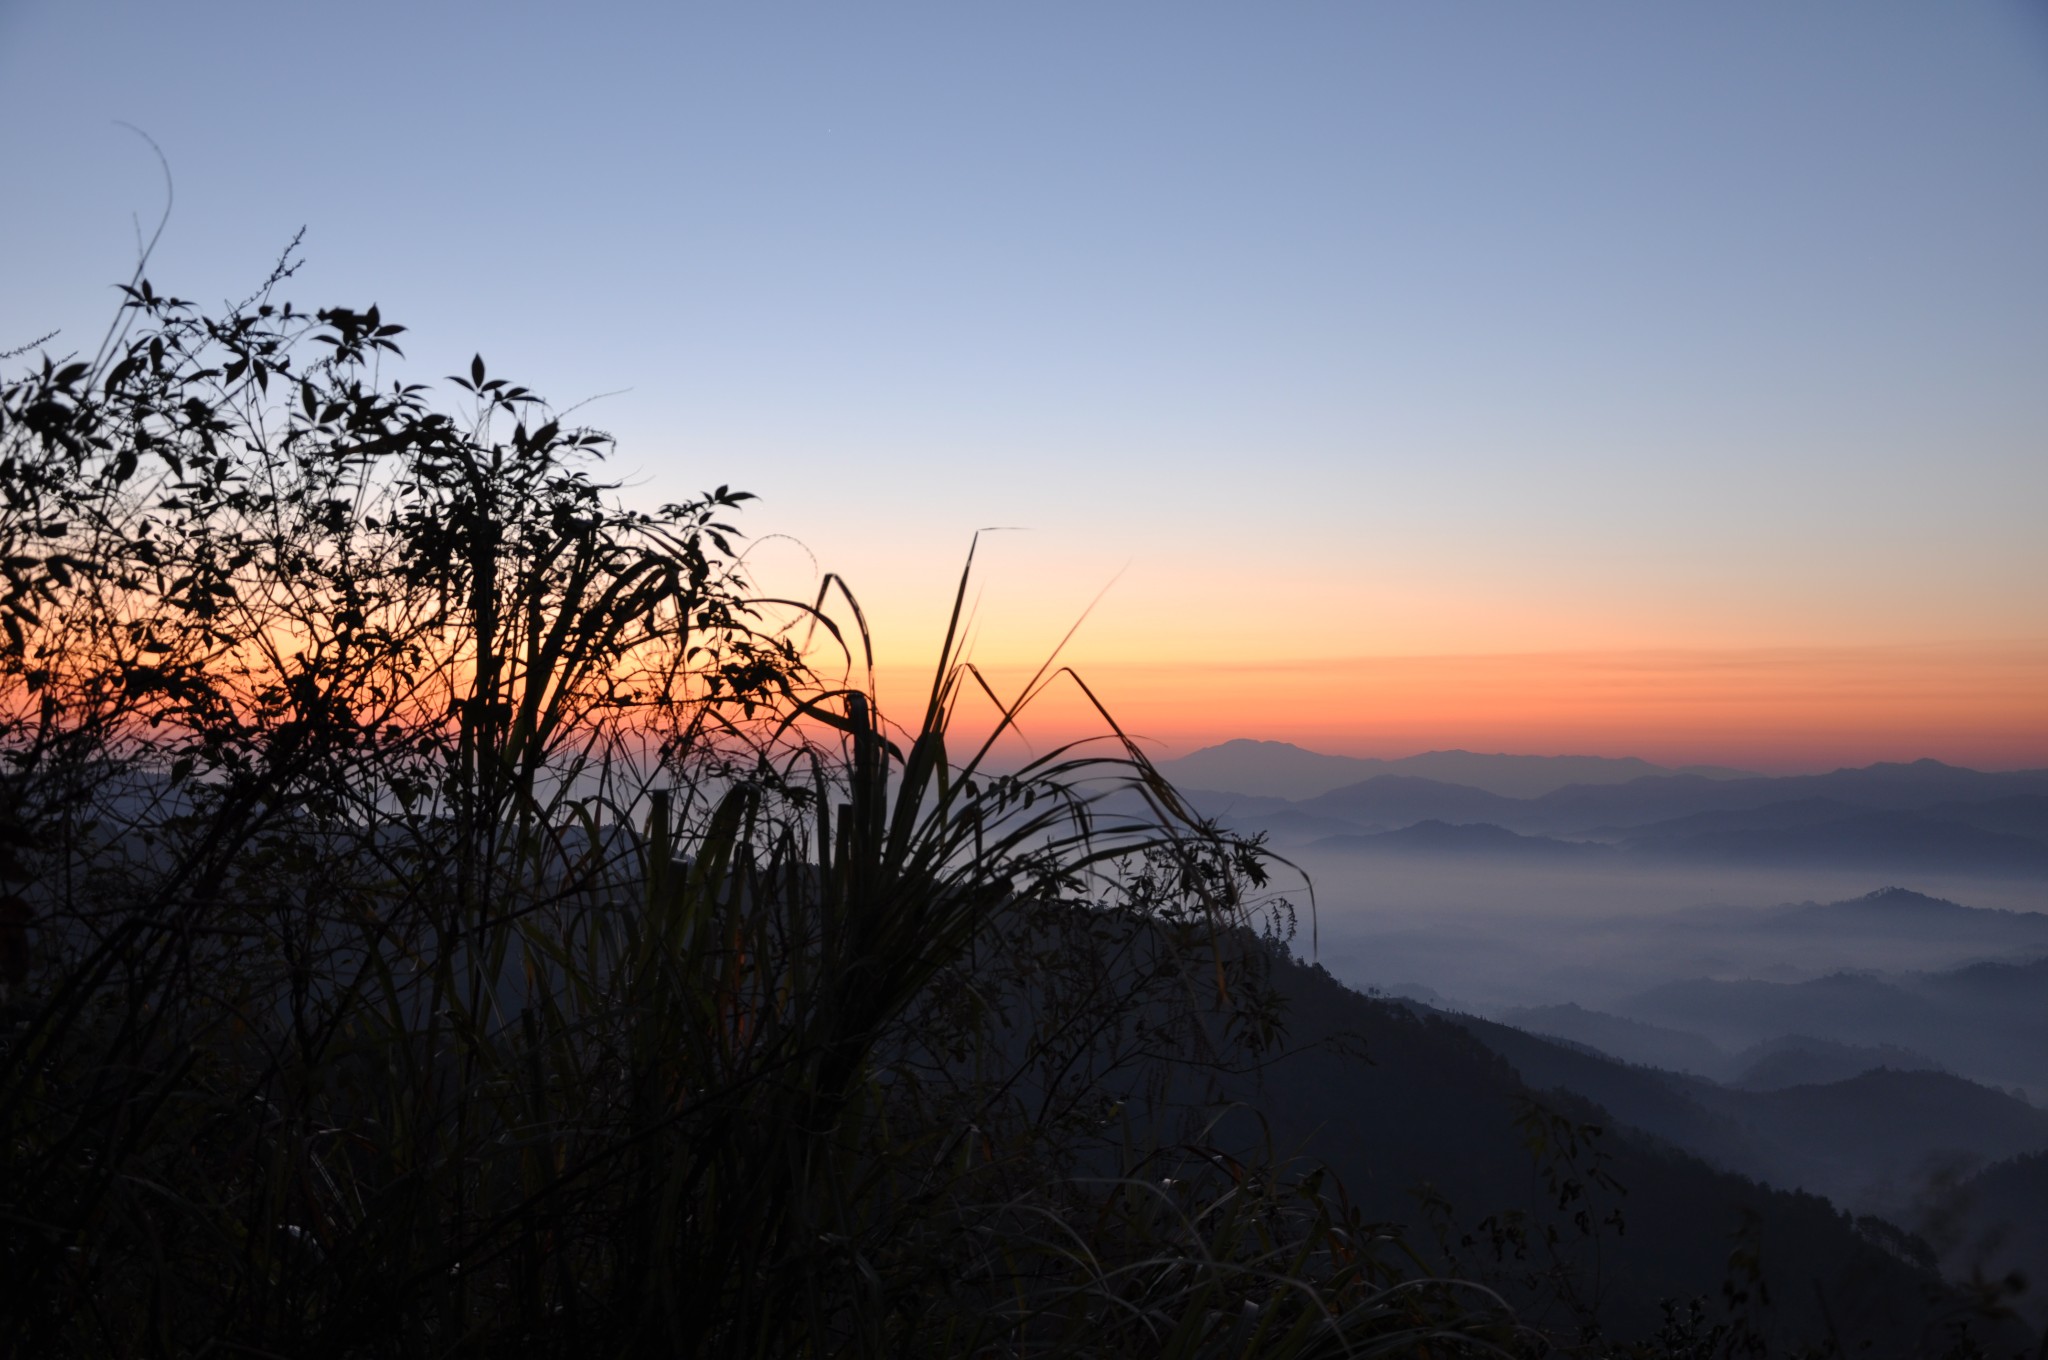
{"points": [[1292, 826], [1895, 785], [1390, 801], [1790, 1060], [1790, 814], [1847, 1007], [1885, 787], [1990, 987], [1871, 1140], [1915, 817], [1228, 803], [1885, 841], [1630, 1040], [1802, 1060], [1891, 928], [1901, 911], [1471, 838], [1988, 1020], [1277, 768], [2021, 815]]}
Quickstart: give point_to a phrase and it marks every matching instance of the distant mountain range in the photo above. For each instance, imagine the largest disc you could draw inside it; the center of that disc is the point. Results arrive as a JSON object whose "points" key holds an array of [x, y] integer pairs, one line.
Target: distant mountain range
{"points": [[1480, 838], [1889, 817], [1890, 930], [1987, 1020], [1771, 1065], [1902, 913], [1281, 770]]}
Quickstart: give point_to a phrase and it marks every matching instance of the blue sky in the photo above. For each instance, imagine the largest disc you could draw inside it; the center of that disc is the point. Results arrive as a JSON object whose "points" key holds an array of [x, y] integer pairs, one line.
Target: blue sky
{"points": [[1325, 330]]}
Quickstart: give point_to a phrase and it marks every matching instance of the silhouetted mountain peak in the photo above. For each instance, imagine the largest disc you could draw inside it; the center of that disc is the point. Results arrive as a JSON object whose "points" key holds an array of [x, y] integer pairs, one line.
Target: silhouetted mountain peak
{"points": [[1802, 1060], [1895, 910]]}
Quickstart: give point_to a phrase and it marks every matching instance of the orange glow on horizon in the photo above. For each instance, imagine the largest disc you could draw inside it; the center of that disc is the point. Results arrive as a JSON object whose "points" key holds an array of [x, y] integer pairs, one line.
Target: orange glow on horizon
{"points": [[1777, 709]]}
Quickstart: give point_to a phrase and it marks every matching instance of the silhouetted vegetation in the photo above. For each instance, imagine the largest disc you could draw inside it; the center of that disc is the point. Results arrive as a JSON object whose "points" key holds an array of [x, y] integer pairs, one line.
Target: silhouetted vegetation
{"points": [[449, 912]]}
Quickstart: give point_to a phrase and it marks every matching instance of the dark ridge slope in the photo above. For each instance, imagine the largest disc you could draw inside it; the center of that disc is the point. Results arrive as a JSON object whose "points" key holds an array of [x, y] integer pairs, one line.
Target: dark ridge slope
{"points": [[1430, 1104]]}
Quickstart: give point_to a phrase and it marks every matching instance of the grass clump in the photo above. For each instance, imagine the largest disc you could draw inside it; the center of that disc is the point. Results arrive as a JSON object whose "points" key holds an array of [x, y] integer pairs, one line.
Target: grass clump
{"points": [[450, 912]]}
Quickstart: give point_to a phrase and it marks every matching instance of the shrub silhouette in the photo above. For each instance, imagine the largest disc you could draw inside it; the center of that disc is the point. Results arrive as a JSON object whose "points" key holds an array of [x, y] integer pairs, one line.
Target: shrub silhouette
{"points": [[468, 918]]}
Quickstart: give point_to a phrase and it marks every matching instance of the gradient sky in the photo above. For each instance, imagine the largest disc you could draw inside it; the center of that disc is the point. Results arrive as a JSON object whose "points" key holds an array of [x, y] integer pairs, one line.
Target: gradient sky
{"points": [[1653, 379]]}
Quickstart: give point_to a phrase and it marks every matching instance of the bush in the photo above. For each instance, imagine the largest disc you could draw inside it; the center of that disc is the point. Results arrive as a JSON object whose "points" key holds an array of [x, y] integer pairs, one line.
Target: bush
{"points": [[466, 919]]}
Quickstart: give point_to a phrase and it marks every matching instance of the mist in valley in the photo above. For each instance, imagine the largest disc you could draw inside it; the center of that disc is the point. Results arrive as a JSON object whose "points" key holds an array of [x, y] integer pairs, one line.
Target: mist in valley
{"points": [[1487, 936], [1834, 983]]}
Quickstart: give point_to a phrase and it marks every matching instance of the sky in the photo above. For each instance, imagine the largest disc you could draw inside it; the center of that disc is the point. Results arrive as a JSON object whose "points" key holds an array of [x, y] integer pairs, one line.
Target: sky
{"points": [[1594, 377]]}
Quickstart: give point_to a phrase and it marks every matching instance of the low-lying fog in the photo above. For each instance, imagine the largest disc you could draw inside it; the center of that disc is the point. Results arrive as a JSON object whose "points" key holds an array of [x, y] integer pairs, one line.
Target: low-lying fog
{"points": [[1489, 936], [1836, 983]]}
